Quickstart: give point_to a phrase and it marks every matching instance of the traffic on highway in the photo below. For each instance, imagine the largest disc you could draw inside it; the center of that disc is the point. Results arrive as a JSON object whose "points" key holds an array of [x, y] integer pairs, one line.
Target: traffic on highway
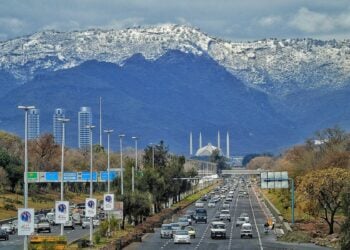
{"points": [[229, 217]]}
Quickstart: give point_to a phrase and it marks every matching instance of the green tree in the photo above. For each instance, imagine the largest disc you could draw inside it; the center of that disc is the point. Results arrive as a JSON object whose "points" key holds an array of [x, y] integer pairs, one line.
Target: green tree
{"points": [[322, 190]]}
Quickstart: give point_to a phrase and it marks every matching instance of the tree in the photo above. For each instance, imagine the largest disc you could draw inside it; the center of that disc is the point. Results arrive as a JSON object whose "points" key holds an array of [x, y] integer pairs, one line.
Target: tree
{"points": [[322, 190], [45, 153], [262, 162], [345, 228], [219, 160]]}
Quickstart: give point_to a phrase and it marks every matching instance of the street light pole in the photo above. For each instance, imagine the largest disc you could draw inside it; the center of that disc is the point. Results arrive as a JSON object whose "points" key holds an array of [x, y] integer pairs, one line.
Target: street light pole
{"points": [[121, 163], [26, 109], [90, 127], [152, 155], [108, 131], [133, 168], [63, 121]]}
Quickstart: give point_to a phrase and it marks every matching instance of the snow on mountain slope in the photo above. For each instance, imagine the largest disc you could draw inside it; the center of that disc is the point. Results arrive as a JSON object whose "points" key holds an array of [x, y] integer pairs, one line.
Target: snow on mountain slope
{"points": [[271, 65]]}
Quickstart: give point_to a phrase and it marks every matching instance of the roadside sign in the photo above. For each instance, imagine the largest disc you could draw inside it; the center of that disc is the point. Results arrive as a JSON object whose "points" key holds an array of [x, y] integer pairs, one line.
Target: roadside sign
{"points": [[61, 212], [85, 176], [32, 176], [51, 176], [90, 207], [70, 176], [108, 202], [104, 175], [271, 180], [25, 221]]}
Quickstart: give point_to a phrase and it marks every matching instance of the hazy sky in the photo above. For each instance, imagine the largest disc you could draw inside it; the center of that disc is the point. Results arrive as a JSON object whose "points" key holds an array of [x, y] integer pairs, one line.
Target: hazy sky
{"points": [[230, 19]]}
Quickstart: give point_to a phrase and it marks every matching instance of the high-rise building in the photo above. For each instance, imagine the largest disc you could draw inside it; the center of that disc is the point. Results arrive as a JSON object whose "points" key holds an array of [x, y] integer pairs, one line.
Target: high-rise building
{"points": [[84, 119], [57, 125], [33, 123]]}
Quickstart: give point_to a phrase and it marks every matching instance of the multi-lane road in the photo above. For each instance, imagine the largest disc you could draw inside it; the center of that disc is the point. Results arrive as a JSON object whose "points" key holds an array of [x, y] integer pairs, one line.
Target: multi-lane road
{"points": [[257, 215], [16, 242]]}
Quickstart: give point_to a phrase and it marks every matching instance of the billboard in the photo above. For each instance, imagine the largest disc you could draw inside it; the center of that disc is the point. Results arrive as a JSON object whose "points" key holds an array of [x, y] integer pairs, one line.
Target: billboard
{"points": [[271, 180], [25, 221], [108, 202], [90, 207], [61, 212]]}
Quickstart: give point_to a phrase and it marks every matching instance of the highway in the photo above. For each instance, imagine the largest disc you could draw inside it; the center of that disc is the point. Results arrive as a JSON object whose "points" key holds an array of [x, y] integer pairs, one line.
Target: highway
{"points": [[16, 242], [257, 215]]}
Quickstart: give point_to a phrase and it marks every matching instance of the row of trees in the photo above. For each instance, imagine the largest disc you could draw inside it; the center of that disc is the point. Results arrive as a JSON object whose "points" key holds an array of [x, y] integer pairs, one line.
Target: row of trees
{"points": [[160, 176], [321, 170]]}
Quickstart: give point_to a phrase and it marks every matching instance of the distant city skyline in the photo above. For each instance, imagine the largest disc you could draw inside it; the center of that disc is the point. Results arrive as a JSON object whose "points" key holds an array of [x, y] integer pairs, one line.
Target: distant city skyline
{"points": [[33, 123], [84, 120], [57, 125], [233, 20]]}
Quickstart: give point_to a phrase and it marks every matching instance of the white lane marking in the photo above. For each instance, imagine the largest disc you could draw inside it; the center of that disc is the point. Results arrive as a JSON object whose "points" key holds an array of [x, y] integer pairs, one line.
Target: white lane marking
{"points": [[256, 226], [232, 223]]}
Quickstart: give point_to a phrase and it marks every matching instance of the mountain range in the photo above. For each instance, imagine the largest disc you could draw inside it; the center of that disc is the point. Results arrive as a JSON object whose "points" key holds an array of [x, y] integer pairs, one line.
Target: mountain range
{"points": [[162, 82]]}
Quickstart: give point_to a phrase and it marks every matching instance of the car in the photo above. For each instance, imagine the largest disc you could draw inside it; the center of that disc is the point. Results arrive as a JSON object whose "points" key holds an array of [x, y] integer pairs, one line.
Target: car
{"points": [[217, 215], [4, 235], [246, 230], [175, 227], [8, 228], [199, 204], [189, 218], [191, 231], [14, 224], [204, 198], [222, 196], [244, 215], [85, 223], [69, 223], [229, 198], [226, 205], [43, 225], [218, 230], [76, 218], [225, 215], [166, 231], [183, 221], [36, 221], [211, 204], [241, 220], [201, 215], [182, 236], [51, 218], [96, 221]]}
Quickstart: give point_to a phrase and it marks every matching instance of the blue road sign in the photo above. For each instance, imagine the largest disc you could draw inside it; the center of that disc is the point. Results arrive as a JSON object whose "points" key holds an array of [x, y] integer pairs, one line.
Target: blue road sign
{"points": [[104, 175], [70, 176], [85, 176], [51, 176]]}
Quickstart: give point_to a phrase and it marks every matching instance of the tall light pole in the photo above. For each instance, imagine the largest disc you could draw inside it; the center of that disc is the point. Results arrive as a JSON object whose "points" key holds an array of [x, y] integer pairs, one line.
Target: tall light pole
{"points": [[90, 127], [133, 169], [152, 145], [108, 131], [26, 109], [121, 163], [63, 121]]}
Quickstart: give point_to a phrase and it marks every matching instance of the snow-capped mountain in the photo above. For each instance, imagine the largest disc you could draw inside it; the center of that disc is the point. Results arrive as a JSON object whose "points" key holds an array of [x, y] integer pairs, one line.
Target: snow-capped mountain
{"points": [[274, 66]]}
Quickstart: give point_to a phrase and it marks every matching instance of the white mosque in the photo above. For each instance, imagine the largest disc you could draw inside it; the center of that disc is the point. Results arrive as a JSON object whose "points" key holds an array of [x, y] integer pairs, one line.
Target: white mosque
{"points": [[209, 149]]}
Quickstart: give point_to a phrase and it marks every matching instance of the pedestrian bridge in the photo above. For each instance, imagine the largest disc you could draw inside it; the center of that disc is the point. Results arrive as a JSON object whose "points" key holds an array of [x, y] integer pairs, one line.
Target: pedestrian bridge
{"points": [[242, 171]]}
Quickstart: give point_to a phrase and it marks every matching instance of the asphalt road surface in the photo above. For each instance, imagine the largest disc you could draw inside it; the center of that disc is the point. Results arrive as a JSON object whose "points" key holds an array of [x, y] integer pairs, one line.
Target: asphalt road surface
{"points": [[16, 242], [239, 205]]}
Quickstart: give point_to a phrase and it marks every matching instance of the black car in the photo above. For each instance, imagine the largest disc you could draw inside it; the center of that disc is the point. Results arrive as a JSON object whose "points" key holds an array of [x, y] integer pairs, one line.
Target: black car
{"points": [[4, 235]]}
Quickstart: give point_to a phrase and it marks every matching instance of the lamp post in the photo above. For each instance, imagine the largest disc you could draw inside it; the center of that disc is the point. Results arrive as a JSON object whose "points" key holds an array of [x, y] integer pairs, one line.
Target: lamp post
{"points": [[133, 169], [108, 131], [90, 127], [26, 109], [152, 145], [63, 121], [121, 163]]}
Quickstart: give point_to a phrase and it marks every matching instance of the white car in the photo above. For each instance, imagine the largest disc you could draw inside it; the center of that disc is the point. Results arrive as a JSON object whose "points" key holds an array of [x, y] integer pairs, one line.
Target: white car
{"points": [[85, 223], [95, 222], [211, 204], [199, 204], [241, 220], [69, 223], [8, 228], [182, 236], [246, 230], [218, 230]]}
